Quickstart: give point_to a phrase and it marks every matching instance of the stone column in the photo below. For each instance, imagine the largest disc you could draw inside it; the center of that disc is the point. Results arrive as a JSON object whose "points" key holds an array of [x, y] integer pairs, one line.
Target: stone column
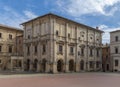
{"points": [[22, 64], [100, 58], [31, 66], [66, 49], [53, 45], [94, 51], [86, 62], [38, 67], [11, 64], [87, 52], [77, 66], [54, 69], [47, 67], [95, 68], [77, 69], [66, 67]]}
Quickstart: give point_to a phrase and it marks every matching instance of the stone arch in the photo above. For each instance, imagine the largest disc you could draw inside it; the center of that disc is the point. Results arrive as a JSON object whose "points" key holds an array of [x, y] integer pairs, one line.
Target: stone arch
{"points": [[44, 62], [81, 65], [60, 65], [71, 65], [28, 64], [35, 64]]}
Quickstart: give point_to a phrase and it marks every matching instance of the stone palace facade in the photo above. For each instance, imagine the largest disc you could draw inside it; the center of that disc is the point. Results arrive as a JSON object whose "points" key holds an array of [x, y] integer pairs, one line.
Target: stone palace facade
{"points": [[9, 51], [115, 49], [56, 44]]}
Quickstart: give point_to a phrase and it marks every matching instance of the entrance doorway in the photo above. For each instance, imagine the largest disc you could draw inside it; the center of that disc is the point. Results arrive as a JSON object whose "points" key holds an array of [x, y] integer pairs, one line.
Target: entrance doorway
{"points": [[60, 65], [44, 61], [28, 65], [71, 65], [35, 64], [107, 67], [82, 65]]}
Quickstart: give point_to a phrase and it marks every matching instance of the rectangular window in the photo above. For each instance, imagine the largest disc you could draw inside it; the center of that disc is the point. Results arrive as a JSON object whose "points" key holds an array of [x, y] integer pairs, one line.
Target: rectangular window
{"points": [[97, 52], [116, 63], [68, 35], [44, 48], [10, 36], [0, 35], [0, 61], [60, 49], [78, 53], [82, 51], [116, 50], [28, 50], [10, 49], [116, 38], [57, 33], [91, 52], [97, 64], [71, 50], [28, 36], [36, 49], [91, 64]]}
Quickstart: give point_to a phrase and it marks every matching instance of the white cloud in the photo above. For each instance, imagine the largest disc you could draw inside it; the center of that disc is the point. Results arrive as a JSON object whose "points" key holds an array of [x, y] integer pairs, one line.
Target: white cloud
{"points": [[107, 30], [11, 17], [29, 14], [81, 7]]}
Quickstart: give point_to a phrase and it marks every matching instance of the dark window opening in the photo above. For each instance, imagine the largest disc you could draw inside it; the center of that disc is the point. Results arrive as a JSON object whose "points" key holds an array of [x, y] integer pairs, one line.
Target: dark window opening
{"points": [[116, 50], [44, 48], [28, 50], [28, 36], [91, 52], [60, 49], [10, 36], [82, 51], [91, 64], [116, 62], [97, 52], [57, 33], [116, 38], [36, 49], [71, 50], [78, 53], [10, 49], [68, 35]]}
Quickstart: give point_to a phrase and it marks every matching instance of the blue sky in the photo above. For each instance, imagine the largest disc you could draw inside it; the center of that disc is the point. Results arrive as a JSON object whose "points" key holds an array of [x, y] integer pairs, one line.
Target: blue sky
{"points": [[102, 13]]}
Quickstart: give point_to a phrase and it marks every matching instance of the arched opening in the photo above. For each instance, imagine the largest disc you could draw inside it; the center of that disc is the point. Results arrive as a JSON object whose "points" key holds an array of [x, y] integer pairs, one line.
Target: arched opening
{"points": [[107, 67], [35, 64], [82, 65], [44, 61], [20, 63], [60, 65], [28, 65], [71, 65]]}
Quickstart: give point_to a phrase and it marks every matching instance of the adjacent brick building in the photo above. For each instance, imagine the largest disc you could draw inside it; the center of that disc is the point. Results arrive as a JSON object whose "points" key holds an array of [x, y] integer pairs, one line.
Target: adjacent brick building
{"points": [[106, 60]]}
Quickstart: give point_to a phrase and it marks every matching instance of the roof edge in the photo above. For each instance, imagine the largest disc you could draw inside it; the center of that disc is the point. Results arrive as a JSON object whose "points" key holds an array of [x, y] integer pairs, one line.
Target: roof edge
{"points": [[10, 27], [63, 18]]}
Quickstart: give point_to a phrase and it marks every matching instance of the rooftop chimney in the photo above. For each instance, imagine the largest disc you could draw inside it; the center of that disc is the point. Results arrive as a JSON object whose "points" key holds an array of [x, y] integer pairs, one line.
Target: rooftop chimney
{"points": [[97, 28]]}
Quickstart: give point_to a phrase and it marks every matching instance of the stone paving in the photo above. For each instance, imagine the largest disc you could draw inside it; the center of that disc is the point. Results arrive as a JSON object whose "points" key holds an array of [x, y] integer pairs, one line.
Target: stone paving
{"points": [[61, 80]]}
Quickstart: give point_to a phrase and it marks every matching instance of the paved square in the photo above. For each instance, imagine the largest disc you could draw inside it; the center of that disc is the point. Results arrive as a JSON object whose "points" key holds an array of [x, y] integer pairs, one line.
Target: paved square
{"points": [[61, 80]]}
